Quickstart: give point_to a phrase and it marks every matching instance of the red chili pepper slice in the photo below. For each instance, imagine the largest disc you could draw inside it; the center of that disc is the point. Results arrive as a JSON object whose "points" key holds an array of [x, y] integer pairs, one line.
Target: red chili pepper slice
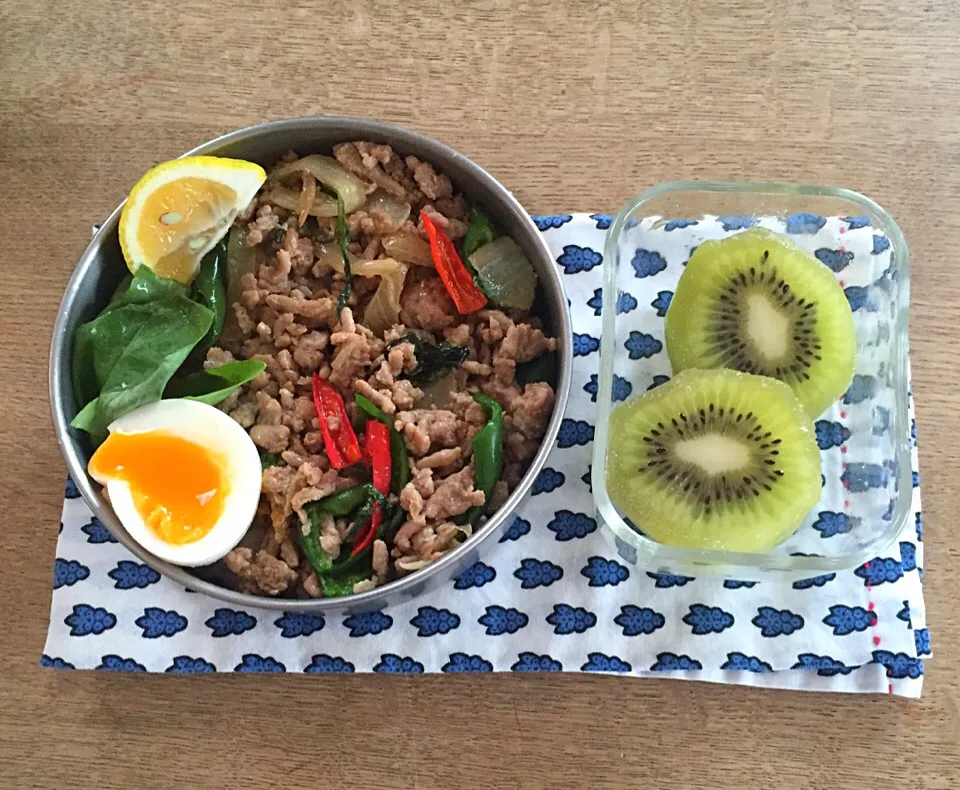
{"points": [[340, 441], [459, 283], [377, 452]]}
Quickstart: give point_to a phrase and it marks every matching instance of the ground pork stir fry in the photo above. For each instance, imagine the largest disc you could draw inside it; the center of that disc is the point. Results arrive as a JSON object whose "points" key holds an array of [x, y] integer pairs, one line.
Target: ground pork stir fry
{"points": [[400, 343]]}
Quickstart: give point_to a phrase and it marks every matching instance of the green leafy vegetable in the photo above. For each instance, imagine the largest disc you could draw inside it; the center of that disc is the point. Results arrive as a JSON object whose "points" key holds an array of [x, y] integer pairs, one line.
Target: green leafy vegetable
{"points": [[337, 577], [343, 239], [126, 355], [399, 460], [434, 360], [542, 368], [505, 274], [93, 340], [214, 384], [387, 531], [339, 582], [270, 459], [210, 290], [479, 232]]}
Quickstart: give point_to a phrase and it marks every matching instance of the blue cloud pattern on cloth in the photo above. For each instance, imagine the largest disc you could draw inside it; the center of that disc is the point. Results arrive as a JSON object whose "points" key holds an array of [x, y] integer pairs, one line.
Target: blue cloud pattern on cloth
{"points": [[129, 575], [461, 662], [705, 619], [251, 662], [431, 621], [368, 623], [230, 622], [578, 259], [671, 661], [480, 573], [323, 663], [294, 624], [85, 620], [567, 525], [744, 663], [777, 622], [604, 573], [567, 619], [600, 662], [531, 662], [156, 622], [499, 620], [534, 573], [635, 620], [68, 572], [551, 222], [186, 665]]}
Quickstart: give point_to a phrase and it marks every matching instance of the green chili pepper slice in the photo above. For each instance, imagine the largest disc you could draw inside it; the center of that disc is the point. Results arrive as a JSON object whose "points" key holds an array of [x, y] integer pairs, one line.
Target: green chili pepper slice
{"points": [[487, 453]]}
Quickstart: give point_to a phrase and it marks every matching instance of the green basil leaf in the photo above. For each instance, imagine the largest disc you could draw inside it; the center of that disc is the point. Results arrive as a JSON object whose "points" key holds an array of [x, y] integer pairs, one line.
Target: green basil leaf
{"points": [[543, 368], [434, 360], [214, 384]]}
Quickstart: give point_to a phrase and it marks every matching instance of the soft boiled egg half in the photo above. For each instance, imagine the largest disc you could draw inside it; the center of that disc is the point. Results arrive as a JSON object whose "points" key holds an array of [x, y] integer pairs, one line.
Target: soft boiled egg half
{"points": [[182, 477]]}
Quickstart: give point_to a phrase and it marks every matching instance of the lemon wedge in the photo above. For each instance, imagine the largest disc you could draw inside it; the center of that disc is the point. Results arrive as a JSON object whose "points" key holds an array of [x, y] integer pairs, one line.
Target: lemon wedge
{"points": [[178, 210]]}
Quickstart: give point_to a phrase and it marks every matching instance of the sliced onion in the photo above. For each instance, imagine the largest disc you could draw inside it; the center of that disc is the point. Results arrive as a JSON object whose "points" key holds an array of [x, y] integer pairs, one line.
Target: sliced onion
{"points": [[328, 253], [398, 210], [308, 193], [328, 172], [409, 248], [505, 274], [323, 205], [437, 394], [410, 565], [241, 260], [383, 310]]}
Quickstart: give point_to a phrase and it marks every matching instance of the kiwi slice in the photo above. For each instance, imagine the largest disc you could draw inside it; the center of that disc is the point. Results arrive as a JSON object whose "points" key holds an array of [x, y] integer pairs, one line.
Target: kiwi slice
{"points": [[758, 303], [714, 459]]}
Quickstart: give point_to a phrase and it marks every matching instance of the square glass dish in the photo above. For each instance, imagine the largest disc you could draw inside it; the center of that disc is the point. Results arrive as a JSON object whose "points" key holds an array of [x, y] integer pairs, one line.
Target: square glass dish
{"points": [[865, 438]]}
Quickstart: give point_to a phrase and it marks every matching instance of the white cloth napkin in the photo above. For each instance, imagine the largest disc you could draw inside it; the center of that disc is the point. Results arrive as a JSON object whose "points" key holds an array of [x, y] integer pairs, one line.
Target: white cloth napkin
{"points": [[552, 595]]}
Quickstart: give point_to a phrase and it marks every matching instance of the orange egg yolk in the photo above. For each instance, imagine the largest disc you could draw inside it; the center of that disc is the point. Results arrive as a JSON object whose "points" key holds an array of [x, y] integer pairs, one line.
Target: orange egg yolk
{"points": [[178, 487]]}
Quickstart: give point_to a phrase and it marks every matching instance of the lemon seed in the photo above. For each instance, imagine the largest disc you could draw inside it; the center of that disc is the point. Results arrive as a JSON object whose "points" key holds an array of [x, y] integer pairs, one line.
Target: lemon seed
{"points": [[170, 218]]}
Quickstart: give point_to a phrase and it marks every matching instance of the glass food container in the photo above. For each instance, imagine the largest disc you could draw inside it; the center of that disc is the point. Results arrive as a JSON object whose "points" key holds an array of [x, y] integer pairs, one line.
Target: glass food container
{"points": [[865, 438]]}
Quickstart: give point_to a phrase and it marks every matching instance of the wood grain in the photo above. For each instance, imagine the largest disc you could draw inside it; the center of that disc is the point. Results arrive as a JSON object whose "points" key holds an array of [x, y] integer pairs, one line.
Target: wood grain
{"points": [[576, 106]]}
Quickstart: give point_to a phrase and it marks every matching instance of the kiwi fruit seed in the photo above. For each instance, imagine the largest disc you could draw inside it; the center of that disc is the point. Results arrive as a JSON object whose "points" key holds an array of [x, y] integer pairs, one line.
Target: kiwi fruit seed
{"points": [[756, 302], [714, 459]]}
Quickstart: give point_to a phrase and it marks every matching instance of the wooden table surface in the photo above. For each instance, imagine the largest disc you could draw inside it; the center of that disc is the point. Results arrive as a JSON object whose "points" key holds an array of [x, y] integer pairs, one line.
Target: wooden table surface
{"points": [[576, 106]]}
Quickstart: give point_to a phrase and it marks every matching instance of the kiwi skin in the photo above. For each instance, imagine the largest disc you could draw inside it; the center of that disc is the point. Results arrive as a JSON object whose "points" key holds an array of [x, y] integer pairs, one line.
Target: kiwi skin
{"points": [[709, 318], [767, 484]]}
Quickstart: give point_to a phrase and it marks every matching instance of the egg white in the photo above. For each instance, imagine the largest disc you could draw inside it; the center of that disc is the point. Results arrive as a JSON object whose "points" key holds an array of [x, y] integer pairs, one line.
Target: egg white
{"points": [[208, 427]]}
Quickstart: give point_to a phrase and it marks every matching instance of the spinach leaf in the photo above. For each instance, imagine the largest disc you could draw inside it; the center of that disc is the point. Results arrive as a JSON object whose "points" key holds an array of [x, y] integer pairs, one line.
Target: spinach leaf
{"points": [[434, 360], [543, 368], [214, 384], [136, 349], [84, 419], [97, 343], [143, 287]]}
